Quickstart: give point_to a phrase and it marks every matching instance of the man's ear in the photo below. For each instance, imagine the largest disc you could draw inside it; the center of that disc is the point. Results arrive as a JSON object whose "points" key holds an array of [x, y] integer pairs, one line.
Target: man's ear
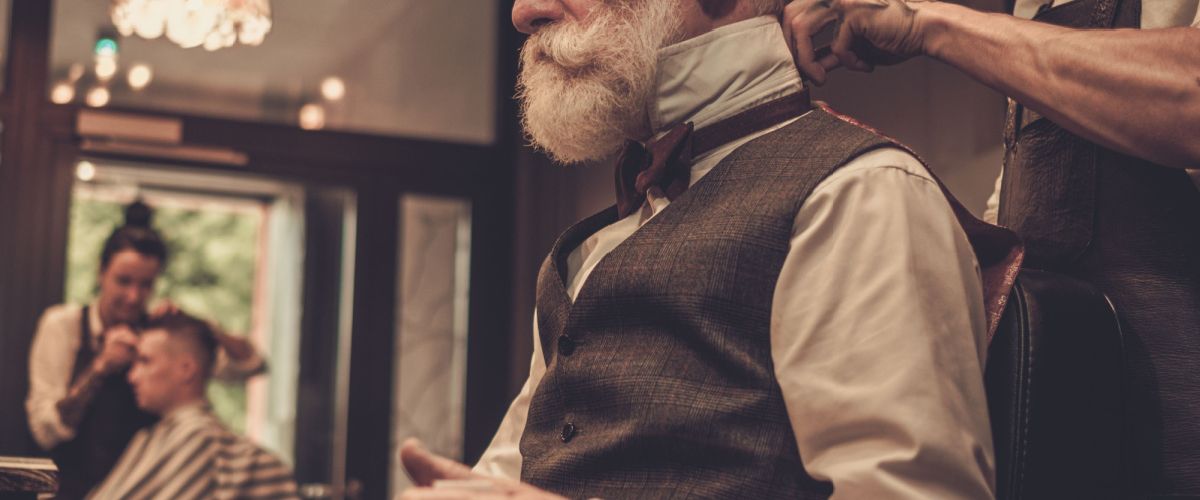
{"points": [[188, 368]]}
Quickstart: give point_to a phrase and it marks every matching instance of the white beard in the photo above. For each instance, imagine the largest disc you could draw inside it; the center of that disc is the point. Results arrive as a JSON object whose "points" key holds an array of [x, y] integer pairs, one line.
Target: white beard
{"points": [[585, 88]]}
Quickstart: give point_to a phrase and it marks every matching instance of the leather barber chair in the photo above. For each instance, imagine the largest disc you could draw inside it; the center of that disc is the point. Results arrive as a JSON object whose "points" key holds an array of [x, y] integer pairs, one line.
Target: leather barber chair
{"points": [[1053, 381]]}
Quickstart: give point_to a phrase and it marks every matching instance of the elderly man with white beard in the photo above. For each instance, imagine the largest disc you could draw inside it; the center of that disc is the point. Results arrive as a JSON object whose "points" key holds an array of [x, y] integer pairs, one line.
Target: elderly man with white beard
{"points": [[782, 304]]}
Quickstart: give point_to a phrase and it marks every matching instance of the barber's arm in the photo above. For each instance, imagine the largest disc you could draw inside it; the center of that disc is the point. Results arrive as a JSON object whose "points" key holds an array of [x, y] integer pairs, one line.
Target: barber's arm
{"points": [[56, 404], [1134, 91], [116, 353], [236, 358], [877, 335]]}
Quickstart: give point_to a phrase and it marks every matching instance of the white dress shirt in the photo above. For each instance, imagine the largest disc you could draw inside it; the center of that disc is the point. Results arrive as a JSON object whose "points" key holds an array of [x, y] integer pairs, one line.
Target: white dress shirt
{"points": [[52, 359], [877, 324], [1155, 14]]}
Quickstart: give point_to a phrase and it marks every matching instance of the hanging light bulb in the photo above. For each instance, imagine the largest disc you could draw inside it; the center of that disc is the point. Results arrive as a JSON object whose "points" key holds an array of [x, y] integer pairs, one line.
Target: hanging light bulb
{"points": [[85, 170], [62, 93], [106, 47], [106, 67], [190, 23], [98, 96], [139, 76], [333, 88], [312, 117]]}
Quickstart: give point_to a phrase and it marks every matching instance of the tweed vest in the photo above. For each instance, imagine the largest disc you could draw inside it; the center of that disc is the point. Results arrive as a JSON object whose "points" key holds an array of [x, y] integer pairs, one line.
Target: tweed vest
{"points": [[659, 378], [1132, 228]]}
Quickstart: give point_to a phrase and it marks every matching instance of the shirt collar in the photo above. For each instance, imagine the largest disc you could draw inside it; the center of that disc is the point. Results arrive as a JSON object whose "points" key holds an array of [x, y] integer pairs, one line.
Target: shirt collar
{"points": [[720, 73], [186, 410]]}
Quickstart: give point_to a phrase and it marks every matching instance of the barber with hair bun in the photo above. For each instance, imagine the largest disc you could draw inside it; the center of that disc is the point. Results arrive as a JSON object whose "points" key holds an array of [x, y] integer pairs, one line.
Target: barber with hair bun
{"points": [[80, 405]]}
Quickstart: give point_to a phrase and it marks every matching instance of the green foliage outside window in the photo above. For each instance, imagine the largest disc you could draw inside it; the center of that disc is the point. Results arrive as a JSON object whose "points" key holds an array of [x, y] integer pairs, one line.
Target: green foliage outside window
{"points": [[210, 271]]}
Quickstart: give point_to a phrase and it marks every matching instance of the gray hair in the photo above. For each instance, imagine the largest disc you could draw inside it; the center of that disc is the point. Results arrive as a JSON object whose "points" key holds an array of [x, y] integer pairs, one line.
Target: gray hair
{"points": [[764, 7]]}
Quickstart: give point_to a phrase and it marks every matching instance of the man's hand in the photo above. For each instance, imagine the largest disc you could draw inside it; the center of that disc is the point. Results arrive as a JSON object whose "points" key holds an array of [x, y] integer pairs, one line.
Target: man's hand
{"points": [[120, 344], [870, 33], [443, 479]]}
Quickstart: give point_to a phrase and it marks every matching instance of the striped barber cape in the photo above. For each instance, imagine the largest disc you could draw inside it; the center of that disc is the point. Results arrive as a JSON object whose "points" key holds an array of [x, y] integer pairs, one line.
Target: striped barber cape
{"points": [[189, 454]]}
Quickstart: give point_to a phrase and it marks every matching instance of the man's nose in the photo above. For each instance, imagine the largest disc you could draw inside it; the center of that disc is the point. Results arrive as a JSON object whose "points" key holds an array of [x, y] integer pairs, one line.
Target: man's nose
{"points": [[530, 15]]}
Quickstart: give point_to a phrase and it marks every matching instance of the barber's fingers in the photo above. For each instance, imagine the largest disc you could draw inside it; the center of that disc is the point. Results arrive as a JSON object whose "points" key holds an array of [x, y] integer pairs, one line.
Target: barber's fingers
{"points": [[843, 48], [826, 58], [121, 335], [802, 19], [424, 467], [163, 308]]}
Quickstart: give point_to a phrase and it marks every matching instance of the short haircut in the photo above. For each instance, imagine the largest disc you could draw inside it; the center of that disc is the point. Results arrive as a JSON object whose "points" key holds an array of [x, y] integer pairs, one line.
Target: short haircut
{"points": [[194, 334]]}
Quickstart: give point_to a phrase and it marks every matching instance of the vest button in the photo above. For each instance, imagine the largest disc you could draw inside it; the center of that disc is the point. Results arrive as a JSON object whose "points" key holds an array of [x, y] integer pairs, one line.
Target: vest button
{"points": [[566, 345], [568, 432]]}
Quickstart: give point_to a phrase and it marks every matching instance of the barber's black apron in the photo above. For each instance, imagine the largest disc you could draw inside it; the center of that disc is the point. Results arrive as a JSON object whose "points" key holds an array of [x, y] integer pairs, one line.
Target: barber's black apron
{"points": [[1132, 228], [109, 422]]}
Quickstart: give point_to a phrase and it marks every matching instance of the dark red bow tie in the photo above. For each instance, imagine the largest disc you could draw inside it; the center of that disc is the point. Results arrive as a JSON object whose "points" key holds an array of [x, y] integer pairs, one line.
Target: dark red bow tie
{"points": [[663, 166]]}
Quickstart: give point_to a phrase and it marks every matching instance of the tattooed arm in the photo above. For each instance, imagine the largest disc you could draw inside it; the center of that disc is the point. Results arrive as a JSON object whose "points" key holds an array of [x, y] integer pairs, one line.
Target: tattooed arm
{"points": [[117, 353], [1133, 91]]}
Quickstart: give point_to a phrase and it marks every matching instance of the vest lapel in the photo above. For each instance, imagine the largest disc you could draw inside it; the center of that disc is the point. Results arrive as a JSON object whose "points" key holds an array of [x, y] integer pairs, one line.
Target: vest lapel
{"points": [[553, 301]]}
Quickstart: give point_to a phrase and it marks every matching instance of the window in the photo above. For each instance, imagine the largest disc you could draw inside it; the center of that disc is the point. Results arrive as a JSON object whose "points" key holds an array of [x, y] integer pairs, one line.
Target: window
{"points": [[235, 258], [429, 371]]}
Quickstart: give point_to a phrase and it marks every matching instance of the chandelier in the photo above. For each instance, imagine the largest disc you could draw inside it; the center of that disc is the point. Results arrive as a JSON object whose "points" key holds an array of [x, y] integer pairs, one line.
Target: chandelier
{"points": [[213, 24]]}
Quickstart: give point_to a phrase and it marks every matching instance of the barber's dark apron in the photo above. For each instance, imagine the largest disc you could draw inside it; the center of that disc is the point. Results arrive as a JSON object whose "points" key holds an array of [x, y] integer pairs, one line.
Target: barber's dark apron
{"points": [[1132, 228], [109, 422]]}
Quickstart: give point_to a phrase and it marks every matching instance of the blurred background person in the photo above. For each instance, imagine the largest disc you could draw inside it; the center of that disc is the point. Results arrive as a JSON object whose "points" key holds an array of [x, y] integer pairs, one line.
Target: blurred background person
{"points": [[188, 454], [80, 407]]}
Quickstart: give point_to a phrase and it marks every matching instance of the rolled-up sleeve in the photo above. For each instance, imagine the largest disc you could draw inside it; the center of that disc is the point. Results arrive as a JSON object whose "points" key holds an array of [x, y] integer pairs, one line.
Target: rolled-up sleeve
{"points": [[878, 338], [51, 360]]}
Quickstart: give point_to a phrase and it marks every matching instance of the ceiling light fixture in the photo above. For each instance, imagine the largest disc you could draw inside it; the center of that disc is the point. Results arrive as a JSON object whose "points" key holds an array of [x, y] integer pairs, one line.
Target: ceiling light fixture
{"points": [[213, 24]]}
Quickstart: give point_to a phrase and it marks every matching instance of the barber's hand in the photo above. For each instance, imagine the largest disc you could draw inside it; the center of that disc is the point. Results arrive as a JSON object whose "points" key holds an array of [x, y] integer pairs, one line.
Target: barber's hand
{"points": [[163, 308], [457, 481], [237, 348], [120, 346], [870, 33]]}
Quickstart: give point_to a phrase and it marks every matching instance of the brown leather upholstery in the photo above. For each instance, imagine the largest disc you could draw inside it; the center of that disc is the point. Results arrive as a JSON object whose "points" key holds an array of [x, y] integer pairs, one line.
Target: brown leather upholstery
{"points": [[1053, 381]]}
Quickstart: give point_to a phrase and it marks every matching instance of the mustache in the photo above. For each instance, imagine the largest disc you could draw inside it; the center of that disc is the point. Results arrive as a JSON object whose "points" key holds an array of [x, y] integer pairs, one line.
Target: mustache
{"points": [[580, 45], [568, 46]]}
